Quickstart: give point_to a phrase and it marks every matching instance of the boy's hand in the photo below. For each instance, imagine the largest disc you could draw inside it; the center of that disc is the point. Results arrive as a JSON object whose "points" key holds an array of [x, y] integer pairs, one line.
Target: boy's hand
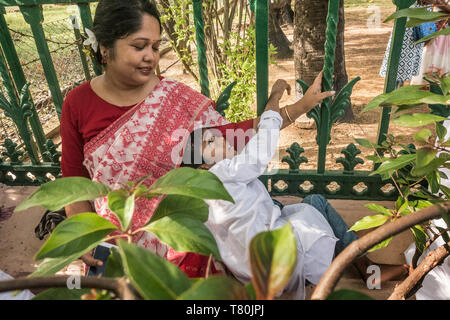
{"points": [[278, 89], [314, 94], [277, 92]]}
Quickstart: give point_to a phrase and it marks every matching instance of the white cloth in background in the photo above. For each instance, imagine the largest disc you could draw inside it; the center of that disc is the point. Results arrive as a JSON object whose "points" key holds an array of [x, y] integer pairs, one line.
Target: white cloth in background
{"points": [[436, 284], [410, 57], [22, 295], [234, 225]]}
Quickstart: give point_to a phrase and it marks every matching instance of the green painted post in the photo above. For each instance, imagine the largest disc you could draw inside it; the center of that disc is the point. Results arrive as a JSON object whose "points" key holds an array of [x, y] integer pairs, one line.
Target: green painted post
{"points": [[34, 17], [18, 75], [84, 62], [327, 82], [86, 19], [392, 68], [262, 54], [201, 47]]}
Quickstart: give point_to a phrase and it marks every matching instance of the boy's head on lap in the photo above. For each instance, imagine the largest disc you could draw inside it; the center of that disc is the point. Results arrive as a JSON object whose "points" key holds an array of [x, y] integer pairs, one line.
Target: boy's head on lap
{"points": [[207, 147]]}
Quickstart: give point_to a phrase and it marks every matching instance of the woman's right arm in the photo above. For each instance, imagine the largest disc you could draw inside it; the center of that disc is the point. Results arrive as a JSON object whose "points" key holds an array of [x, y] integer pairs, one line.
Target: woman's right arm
{"points": [[78, 207], [81, 207], [72, 165]]}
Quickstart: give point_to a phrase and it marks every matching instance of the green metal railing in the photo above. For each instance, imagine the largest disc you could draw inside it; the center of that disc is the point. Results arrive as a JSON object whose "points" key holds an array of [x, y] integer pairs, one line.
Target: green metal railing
{"points": [[36, 160], [44, 159]]}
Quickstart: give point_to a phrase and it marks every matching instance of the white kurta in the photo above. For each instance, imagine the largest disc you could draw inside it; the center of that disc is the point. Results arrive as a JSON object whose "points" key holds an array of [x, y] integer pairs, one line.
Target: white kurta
{"points": [[234, 225]]}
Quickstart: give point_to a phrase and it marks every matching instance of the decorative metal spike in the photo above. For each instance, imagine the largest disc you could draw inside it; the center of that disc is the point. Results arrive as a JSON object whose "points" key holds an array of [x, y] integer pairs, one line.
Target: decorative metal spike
{"points": [[51, 155], [350, 161], [294, 160], [222, 102], [11, 151]]}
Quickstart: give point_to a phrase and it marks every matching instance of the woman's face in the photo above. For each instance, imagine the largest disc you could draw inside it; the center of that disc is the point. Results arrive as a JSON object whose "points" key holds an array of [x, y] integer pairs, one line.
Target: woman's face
{"points": [[136, 57]]}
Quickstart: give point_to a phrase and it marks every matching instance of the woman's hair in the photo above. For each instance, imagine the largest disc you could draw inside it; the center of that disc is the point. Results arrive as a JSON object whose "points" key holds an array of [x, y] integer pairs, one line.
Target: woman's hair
{"points": [[117, 19]]}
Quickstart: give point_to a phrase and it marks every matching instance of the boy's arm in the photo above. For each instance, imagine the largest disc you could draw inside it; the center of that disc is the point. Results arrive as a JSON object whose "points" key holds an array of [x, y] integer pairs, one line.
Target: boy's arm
{"points": [[251, 162]]}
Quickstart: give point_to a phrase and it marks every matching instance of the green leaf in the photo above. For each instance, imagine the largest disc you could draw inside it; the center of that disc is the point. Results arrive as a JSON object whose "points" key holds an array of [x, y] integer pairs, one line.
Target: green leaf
{"points": [[375, 103], [56, 194], [378, 208], [74, 234], [407, 95], [443, 32], [420, 237], [176, 204], [273, 256], [424, 156], [391, 165], [417, 13], [122, 205], [375, 159], [61, 294], [381, 245], [199, 184], [366, 143], [369, 222], [434, 180], [216, 288], [417, 119], [406, 107], [114, 266], [345, 294], [184, 234], [52, 265], [251, 292], [155, 278], [430, 167], [423, 135], [441, 131], [445, 84]]}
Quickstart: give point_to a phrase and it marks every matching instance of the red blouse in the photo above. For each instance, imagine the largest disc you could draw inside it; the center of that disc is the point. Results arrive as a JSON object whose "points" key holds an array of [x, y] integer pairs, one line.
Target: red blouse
{"points": [[84, 115]]}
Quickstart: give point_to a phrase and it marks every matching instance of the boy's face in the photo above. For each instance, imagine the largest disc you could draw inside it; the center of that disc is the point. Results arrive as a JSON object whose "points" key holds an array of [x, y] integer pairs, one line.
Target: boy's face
{"points": [[215, 147]]}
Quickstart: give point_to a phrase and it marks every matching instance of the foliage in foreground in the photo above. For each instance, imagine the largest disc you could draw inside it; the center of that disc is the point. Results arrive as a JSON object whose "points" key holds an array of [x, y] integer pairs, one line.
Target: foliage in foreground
{"points": [[178, 222], [416, 172]]}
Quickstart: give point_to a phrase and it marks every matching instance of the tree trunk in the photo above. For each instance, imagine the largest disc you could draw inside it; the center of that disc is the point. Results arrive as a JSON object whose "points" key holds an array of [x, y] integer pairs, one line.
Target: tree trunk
{"points": [[276, 35], [309, 41]]}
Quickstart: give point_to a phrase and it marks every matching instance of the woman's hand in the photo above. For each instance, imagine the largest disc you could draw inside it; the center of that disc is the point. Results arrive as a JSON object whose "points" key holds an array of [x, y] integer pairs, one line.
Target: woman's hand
{"points": [[314, 94]]}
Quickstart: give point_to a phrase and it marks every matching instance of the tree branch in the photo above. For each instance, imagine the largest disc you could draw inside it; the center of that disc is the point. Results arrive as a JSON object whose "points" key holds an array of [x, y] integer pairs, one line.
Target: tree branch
{"points": [[121, 287], [432, 260], [57, 282], [360, 246]]}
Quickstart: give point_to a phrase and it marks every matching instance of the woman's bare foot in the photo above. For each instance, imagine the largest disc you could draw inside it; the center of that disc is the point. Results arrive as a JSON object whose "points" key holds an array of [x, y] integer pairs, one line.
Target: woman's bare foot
{"points": [[388, 272]]}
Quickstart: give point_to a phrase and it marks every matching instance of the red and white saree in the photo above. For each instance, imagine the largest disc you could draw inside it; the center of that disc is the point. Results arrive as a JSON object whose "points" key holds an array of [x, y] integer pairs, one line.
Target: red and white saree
{"points": [[143, 141]]}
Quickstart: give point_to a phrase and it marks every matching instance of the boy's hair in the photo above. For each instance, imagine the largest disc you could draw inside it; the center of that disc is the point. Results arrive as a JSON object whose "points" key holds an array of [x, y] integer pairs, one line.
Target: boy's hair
{"points": [[192, 152]]}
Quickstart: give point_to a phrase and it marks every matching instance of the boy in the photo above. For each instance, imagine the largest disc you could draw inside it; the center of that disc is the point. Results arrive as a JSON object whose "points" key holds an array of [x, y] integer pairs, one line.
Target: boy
{"points": [[319, 230]]}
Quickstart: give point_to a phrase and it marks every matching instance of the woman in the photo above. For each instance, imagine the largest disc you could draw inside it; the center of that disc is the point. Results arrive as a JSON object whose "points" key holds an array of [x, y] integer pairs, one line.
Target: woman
{"points": [[119, 126]]}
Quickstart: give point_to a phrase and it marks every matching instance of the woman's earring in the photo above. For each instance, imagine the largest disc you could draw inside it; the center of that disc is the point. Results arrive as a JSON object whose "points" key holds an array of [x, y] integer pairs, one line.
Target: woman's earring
{"points": [[103, 59]]}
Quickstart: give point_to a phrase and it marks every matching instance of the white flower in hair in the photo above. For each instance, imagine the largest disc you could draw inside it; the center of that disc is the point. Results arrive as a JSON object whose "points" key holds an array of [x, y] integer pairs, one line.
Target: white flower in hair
{"points": [[91, 40]]}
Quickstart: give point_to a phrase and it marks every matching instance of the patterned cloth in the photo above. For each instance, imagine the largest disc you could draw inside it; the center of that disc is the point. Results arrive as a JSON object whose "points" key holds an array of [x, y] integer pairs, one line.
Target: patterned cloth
{"points": [[410, 58], [150, 138]]}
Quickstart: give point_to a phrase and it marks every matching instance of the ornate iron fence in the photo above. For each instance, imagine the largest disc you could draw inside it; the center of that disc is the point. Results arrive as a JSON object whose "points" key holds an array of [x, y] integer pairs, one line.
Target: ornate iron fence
{"points": [[34, 159]]}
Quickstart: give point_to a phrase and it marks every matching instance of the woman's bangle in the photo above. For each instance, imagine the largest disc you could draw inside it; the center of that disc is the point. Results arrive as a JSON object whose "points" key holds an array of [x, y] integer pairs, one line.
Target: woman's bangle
{"points": [[287, 115]]}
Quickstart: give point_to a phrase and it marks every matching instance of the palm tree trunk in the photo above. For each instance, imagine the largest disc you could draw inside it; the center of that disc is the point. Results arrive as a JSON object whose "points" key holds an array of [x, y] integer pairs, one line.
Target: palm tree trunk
{"points": [[309, 40]]}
